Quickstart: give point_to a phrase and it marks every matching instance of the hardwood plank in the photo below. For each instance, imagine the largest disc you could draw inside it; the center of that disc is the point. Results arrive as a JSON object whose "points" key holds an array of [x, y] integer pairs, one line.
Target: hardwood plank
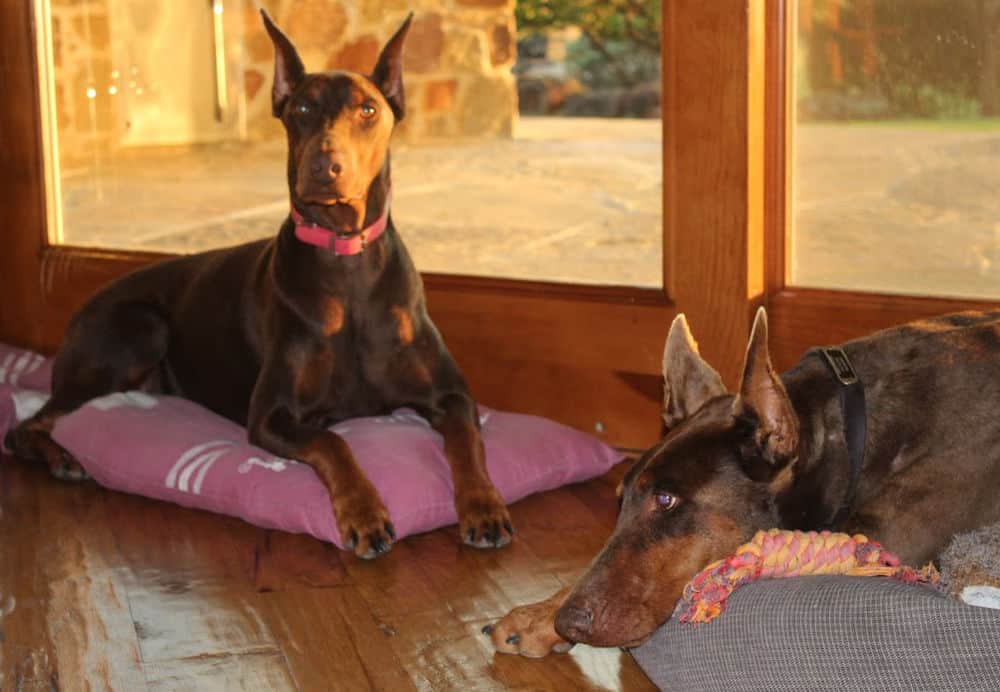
{"points": [[562, 532], [132, 591], [88, 611], [191, 580], [27, 656], [188, 617], [395, 584], [439, 652], [331, 640], [517, 574], [75, 603], [284, 560], [256, 671]]}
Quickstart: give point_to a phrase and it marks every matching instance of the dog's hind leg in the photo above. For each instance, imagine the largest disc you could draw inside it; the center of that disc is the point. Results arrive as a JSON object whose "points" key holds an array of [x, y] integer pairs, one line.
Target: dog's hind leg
{"points": [[107, 349]]}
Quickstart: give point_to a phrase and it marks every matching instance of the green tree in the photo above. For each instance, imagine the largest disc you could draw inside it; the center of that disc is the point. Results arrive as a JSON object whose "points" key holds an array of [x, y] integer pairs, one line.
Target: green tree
{"points": [[928, 58], [608, 25]]}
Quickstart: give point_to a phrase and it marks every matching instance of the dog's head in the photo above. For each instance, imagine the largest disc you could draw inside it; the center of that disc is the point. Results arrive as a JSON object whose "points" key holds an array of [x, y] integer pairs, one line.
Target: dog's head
{"points": [[338, 126], [702, 491]]}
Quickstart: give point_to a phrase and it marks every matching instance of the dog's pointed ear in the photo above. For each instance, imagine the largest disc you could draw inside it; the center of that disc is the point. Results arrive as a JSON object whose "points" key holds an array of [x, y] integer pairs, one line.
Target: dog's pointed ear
{"points": [[288, 68], [763, 398], [688, 381], [388, 72]]}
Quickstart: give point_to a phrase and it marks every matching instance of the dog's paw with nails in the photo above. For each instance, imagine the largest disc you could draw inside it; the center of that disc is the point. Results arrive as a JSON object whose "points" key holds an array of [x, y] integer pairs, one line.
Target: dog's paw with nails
{"points": [[530, 630], [365, 525], [483, 519]]}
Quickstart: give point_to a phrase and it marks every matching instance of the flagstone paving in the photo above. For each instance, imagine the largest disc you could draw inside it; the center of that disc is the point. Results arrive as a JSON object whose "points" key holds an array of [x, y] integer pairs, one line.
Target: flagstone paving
{"points": [[884, 207]]}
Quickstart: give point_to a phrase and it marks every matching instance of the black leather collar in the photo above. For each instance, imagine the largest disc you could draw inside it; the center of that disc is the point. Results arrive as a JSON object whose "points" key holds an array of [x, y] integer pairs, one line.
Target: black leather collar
{"points": [[855, 415]]}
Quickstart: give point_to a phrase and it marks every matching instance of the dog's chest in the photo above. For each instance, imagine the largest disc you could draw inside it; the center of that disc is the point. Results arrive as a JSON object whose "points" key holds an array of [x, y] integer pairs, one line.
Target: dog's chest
{"points": [[361, 361], [377, 329]]}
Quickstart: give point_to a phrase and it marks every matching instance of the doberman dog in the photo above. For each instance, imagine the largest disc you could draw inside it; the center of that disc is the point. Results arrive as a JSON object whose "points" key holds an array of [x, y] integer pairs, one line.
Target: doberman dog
{"points": [[786, 452], [289, 335]]}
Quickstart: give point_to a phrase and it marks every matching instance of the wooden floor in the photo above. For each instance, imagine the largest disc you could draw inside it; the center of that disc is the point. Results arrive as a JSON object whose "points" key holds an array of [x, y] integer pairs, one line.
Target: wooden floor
{"points": [[130, 594]]}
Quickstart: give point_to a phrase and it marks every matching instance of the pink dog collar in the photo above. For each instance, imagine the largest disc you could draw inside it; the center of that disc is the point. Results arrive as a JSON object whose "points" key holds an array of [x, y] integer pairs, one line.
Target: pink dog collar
{"points": [[312, 234]]}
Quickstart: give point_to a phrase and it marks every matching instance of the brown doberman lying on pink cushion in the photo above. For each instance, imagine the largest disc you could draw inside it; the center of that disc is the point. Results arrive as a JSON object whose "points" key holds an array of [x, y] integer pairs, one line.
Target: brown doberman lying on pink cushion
{"points": [[325, 321], [896, 436]]}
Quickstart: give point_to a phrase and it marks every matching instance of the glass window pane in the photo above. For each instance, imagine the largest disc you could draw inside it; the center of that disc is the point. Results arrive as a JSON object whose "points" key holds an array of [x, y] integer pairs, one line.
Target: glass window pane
{"points": [[163, 137], [896, 147]]}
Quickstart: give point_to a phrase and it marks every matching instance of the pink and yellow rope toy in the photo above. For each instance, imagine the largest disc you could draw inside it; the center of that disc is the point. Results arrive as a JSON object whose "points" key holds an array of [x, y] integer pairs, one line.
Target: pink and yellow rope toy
{"points": [[775, 553]]}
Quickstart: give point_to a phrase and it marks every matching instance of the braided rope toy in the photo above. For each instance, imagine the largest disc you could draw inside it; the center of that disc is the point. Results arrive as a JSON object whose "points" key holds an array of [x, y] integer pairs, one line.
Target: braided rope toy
{"points": [[776, 553]]}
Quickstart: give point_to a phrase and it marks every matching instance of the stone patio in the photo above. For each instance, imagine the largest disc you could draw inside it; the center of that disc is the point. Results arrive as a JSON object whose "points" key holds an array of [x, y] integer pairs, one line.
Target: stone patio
{"points": [[898, 208], [566, 200]]}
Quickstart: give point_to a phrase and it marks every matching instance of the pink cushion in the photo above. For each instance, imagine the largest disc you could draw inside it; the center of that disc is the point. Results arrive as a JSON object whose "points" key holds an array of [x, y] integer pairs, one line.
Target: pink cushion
{"points": [[22, 368], [173, 449], [7, 419]]}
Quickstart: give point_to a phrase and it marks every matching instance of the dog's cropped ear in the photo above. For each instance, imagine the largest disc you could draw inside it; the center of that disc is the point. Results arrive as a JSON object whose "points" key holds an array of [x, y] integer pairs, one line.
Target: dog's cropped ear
{"points": [[388, 72], [688, 381], [288, 68], [763, 398]]}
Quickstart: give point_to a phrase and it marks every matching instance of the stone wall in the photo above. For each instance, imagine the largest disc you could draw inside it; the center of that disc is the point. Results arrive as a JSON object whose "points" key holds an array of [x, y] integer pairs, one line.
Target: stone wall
{"points": [[457, 65], [456, 62], [81, 52]]}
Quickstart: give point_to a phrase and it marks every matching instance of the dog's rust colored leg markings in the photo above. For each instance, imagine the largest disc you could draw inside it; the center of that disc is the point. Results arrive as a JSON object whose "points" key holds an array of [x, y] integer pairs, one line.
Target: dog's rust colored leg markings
{"points": [[483, 520], [530, 630], [404, 325], [362, 518], [33, 440], [333, 316]]}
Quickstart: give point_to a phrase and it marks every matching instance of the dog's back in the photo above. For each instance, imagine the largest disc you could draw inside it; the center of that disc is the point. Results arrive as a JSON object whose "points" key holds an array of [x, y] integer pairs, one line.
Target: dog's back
{"points": [[933, 451], [968, 337], [216, 358]]}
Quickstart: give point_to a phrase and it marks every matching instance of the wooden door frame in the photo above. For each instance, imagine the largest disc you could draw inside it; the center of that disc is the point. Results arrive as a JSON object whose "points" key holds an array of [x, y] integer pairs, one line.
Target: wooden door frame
{"points": [[804, 317], [588, 356]]}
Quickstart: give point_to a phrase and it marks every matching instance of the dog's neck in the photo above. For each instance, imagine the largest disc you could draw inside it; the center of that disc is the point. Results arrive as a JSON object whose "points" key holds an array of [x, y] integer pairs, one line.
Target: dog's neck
{"points": [[339, 243], [312, 268], [364, 220], [819, 481]]}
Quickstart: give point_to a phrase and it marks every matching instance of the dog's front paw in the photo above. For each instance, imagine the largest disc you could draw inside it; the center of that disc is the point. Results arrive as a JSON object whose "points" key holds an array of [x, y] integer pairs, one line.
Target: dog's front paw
{"points": [[483, 520], [68, 469], [529, 630], [37, 445], [364, 524]]}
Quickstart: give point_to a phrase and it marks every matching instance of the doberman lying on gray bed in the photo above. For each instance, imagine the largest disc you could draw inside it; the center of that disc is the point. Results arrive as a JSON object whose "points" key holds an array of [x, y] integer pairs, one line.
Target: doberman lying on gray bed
{"points": [[896, 436]]}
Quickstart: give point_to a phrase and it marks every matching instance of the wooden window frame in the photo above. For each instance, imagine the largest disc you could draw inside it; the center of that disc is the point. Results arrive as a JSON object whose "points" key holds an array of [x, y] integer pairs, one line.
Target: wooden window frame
{"points": [[588, 356], [804, 317]]}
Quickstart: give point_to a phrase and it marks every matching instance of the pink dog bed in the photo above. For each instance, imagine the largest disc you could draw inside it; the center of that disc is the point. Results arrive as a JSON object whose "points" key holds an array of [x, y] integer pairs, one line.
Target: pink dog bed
{"points": [[173, 449]]}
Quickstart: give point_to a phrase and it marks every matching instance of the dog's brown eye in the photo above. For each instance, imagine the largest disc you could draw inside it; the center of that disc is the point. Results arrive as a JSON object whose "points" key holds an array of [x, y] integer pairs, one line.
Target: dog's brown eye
{"points": [[303, 108], [368, 110], [665, 501]]}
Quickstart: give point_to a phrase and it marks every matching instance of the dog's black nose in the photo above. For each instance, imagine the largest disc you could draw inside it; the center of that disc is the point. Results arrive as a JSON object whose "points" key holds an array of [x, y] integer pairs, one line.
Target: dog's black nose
{"points": [[327, 167], [574, 623]]}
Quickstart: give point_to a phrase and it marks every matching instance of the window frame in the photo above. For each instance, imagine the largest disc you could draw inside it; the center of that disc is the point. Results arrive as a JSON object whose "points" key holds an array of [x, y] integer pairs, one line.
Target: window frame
{"points": [[801, 318], [589, 356]]}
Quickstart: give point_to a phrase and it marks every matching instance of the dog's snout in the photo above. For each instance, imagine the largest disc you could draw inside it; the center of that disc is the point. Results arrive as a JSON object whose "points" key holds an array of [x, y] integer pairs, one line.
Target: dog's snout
{"points": [[327, 166], [574, 622]]}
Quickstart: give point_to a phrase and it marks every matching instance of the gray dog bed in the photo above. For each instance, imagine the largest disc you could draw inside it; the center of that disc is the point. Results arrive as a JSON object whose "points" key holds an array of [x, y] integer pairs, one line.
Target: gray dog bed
{"points": [[830, 633]]}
